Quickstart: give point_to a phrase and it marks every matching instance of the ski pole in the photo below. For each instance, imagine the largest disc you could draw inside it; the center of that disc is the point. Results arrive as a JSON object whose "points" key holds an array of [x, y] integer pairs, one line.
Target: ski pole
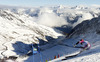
{"points": [[33, 52], [40, 53]]}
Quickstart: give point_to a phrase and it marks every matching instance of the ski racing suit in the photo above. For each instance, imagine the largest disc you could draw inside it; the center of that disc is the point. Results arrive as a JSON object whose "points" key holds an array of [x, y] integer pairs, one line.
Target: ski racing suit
{"points": [[85, 45]]}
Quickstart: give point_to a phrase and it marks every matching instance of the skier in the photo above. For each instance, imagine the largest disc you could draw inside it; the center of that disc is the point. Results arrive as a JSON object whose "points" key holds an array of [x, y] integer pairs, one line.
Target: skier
{"points": [[85, 45]]}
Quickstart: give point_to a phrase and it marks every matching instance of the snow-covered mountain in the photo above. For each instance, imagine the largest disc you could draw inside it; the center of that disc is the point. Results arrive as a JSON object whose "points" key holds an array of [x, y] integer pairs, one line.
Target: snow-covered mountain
{"points": [[16, 27], [87, 27], [68, 14]]}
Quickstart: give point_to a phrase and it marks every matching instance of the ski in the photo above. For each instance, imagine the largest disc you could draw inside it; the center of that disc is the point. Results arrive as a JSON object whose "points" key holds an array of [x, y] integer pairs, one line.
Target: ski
{"points": [[71, 56], [68, 57]]}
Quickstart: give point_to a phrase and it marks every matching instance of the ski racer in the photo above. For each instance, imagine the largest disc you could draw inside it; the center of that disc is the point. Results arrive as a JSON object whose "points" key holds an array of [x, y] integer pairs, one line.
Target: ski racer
{"points": [[85, 45]]}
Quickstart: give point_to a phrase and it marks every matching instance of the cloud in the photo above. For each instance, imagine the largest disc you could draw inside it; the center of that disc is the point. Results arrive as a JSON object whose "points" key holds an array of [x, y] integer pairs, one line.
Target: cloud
{"points": [[49, 18], [95, 5]]}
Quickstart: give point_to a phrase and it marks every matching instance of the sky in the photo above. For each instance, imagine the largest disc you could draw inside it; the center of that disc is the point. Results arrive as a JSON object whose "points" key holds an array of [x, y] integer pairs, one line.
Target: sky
{"points": [[48, 2]]}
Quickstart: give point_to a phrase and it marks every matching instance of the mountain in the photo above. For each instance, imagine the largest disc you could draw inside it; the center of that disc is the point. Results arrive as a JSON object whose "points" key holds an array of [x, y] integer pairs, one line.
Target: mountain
{"points": [[15, 26], [87, 27], [17, 31]]}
